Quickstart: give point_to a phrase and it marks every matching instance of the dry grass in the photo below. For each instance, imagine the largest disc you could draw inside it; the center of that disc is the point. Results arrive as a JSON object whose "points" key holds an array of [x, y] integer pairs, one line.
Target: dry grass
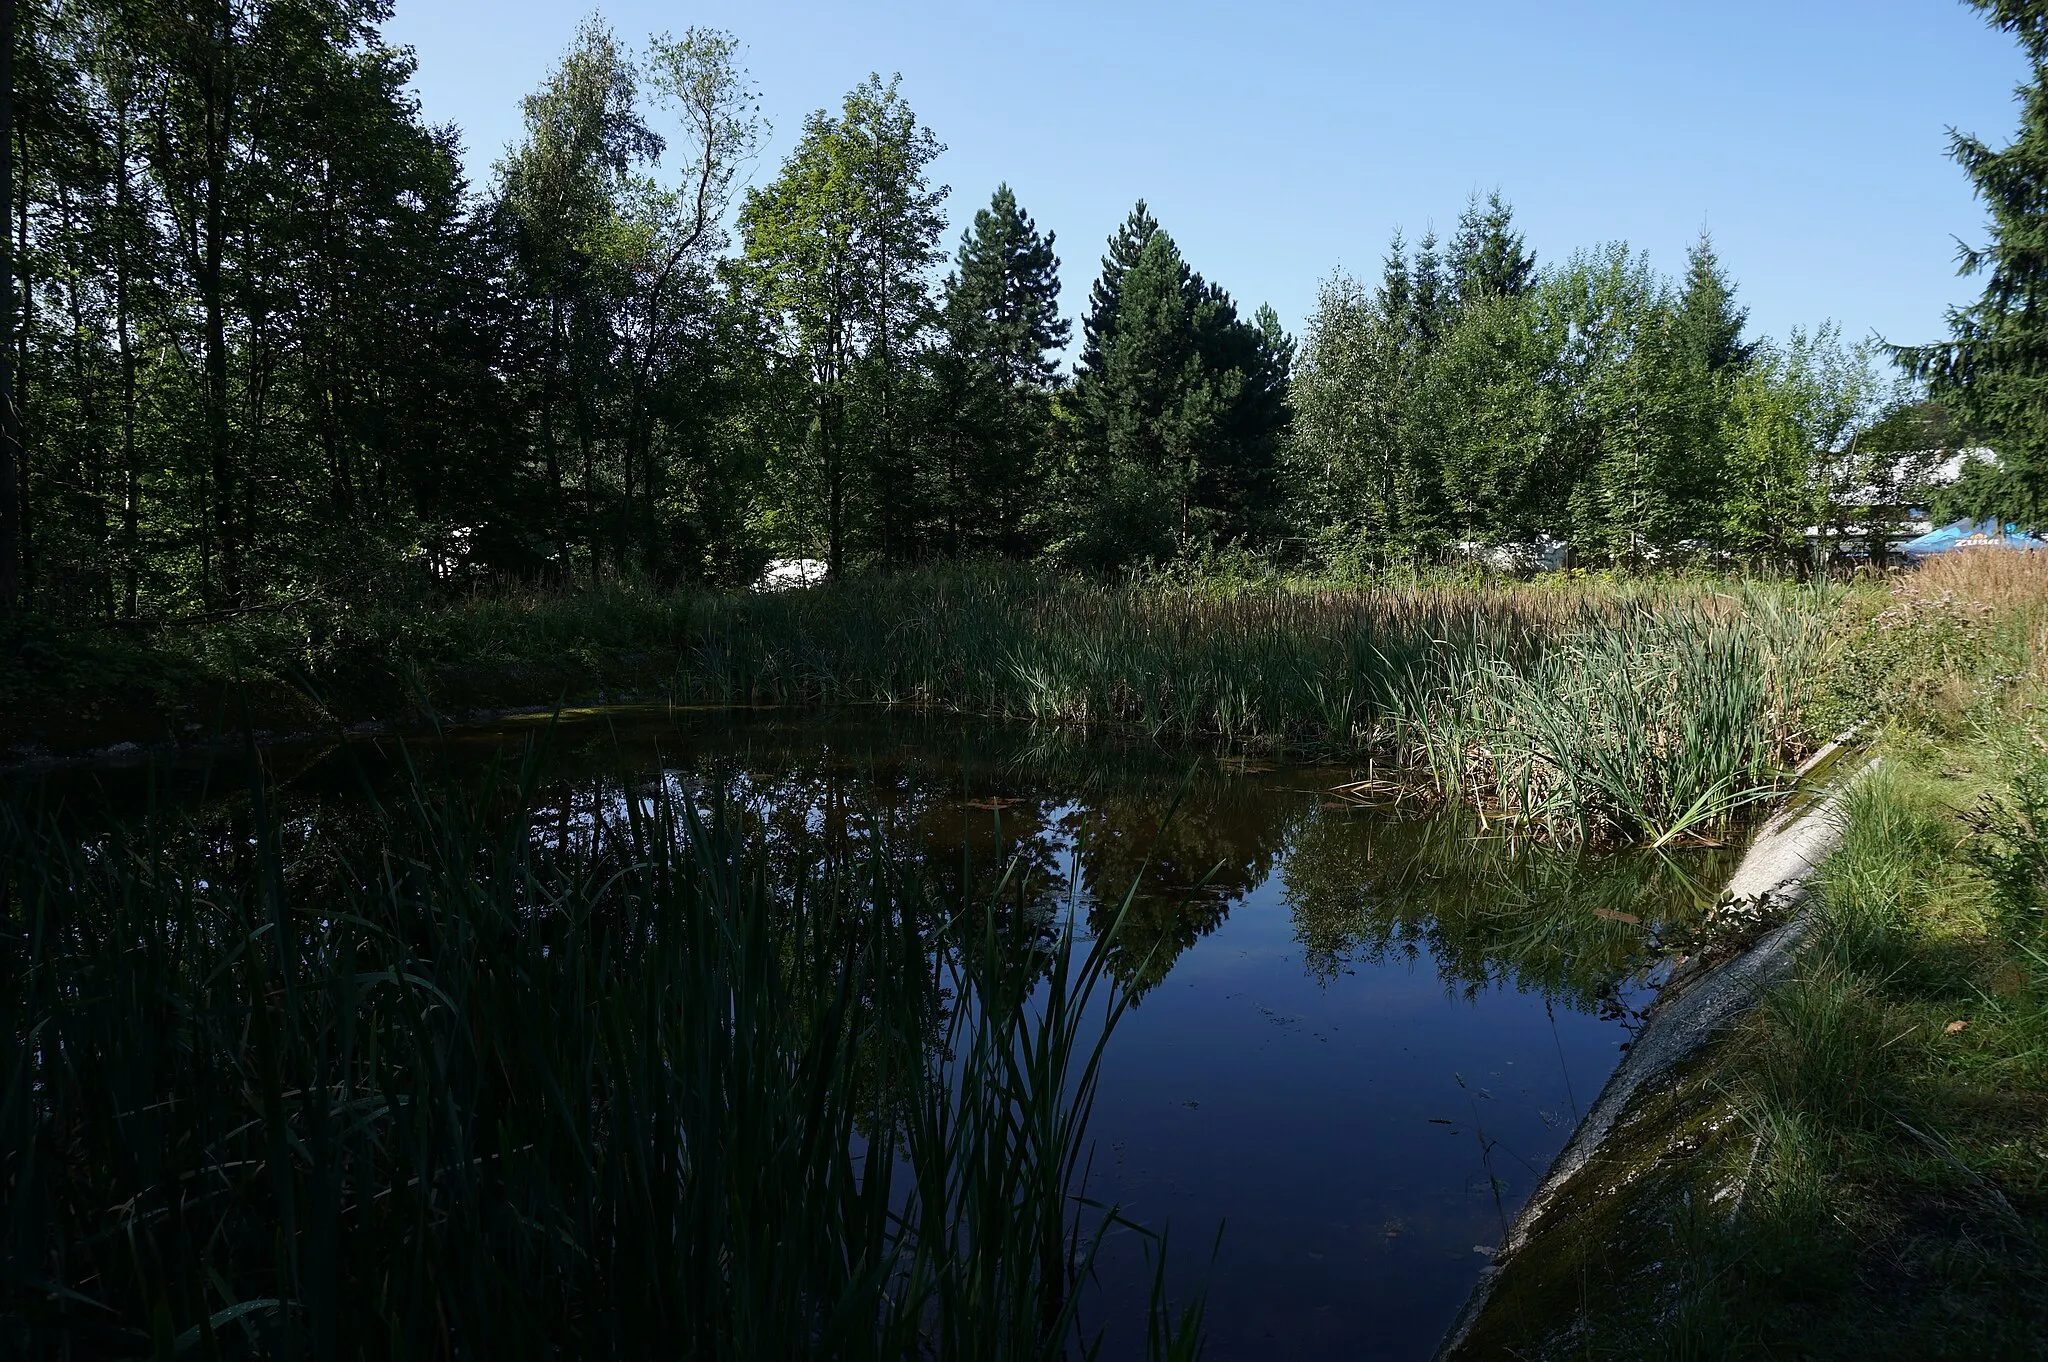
{"points": [[2014, 584]]}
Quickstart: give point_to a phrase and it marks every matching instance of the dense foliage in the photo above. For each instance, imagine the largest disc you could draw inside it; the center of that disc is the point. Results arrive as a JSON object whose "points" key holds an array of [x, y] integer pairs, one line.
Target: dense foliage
{"points": [[1475, 399], [271, 346], [1993, 372]]}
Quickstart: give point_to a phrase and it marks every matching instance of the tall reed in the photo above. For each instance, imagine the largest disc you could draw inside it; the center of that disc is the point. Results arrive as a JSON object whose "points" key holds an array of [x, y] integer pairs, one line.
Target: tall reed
{"points": [[1636, 709], [478, 1093]]}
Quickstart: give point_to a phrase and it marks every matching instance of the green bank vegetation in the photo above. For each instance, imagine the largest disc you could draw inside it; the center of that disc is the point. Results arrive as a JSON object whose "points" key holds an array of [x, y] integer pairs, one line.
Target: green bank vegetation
{"points": [[1606, 709], [1861, 1170]]}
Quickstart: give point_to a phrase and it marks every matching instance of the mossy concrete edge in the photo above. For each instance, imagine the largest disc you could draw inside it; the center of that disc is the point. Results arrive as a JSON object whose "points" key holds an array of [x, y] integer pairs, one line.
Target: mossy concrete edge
{"points": [[1773, 880]]}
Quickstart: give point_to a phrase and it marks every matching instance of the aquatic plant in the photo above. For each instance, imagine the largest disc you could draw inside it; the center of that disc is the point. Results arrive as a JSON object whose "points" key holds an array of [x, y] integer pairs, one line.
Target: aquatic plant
{"points": [[490, 1092], [1628, 709], [1641, 711]]}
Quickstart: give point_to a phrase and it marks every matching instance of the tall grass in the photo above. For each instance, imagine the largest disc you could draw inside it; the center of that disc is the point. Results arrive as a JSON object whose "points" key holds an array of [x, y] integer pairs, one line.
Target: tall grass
{"points": [[1601, 708], [1856, 1170], [1649, 726], [487, 1094]]}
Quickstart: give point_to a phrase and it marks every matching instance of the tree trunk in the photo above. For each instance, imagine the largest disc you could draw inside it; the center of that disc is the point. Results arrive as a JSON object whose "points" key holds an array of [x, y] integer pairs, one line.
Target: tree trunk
{"points": [[131, 489], [558, 530], [89, 465], [10, 413], [17, 409], [830, 423], [219, 108]]}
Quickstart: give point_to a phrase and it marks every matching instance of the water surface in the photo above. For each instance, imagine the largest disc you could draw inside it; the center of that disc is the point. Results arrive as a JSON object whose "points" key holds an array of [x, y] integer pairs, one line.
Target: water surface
{"points": [[1361, 1032]]}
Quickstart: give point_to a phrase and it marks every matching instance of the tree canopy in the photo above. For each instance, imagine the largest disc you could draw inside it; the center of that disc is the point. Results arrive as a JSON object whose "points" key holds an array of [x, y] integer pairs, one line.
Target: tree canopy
{"points": [[1992, 374], [267, 344]]}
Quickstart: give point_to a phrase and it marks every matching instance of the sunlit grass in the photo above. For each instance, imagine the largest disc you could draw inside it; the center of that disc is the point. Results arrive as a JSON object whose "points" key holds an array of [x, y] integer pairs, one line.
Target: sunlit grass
{"points": [[1860, 1168], [1596, 708]]}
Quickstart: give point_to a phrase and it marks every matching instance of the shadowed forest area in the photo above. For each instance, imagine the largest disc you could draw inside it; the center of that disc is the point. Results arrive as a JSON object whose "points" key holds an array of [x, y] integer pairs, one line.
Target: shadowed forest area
{"points": [[271, 347]]}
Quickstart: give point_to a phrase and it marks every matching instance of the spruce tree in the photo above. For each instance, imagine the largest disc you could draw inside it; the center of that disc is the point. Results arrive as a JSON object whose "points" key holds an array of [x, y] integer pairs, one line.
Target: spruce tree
{"points": [[1433, 294], [1708, 319], [1136, 409], [1992, 374], [1175, 427], [1488, 259], [1004, 334], [1397, 293]]}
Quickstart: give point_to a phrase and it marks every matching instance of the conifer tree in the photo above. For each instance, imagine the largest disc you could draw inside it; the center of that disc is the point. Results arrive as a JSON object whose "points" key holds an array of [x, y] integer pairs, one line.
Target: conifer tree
{"points": [[1432, 294], [1004, 333], [1175, 427], [1488, 259], [1708, 319], [1002, 301], [1143, 409], [1992, 374], [1105, 295], [1396, 292]]}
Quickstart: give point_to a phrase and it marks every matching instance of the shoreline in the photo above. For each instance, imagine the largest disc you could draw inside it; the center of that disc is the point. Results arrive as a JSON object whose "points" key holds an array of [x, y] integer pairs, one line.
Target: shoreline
{"points": [[1696, 1005]]}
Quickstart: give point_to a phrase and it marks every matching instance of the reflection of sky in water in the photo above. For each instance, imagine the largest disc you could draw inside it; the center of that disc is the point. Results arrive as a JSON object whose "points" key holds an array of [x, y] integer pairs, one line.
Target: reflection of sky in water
{"points": [[1359, 1039]]}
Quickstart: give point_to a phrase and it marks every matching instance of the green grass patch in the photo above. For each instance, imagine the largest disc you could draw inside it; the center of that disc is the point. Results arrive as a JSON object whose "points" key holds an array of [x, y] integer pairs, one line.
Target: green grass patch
{"points": [[1860, 1169]]}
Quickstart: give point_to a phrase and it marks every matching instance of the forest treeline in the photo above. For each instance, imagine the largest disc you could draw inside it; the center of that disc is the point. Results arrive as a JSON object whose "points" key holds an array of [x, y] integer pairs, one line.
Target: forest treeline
{"points": [[270, 341]]}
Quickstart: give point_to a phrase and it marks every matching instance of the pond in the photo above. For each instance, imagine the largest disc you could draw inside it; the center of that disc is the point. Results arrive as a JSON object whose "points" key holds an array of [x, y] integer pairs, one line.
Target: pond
{"points": [[1361, 1030]]}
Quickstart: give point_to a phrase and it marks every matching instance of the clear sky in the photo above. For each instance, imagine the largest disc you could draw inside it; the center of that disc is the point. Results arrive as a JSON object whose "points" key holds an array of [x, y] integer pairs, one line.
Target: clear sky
{"points": [[1283, 140]]}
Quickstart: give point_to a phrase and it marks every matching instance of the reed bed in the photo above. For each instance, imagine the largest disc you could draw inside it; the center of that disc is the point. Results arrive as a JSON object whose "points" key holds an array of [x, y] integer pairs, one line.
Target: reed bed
{"points": [[1645, 710], [485, 1093]]}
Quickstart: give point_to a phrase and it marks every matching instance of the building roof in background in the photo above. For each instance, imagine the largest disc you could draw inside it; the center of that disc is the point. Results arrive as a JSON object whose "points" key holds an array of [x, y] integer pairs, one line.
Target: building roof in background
{"points": [[1943, 468]]}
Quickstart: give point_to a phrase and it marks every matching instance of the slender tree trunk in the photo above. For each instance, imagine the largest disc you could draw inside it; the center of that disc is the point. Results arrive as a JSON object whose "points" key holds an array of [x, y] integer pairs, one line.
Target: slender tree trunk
{"points": [[90, 467], [583, 444], [17, 409], [956, 490], [831, 419], [629, 455], [892, 497], [131, 490], [325, 363], [10, 412], [219, 108], [547, 427]]}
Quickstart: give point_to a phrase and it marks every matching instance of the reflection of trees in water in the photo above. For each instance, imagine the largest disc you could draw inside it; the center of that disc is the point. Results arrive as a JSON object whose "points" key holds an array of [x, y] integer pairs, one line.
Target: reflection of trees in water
{"points": [[980, 813], [1182, 861], [1183, 864], [1485, 910], [546, 1071]]}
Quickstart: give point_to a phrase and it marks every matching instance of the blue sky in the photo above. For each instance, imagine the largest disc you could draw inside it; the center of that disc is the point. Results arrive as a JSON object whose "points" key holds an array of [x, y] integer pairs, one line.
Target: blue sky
{"points": [[1284, 140]]}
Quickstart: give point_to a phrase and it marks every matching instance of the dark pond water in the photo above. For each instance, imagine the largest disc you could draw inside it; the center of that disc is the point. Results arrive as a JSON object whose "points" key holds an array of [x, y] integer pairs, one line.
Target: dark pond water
{"points": [[1361, 1033]]}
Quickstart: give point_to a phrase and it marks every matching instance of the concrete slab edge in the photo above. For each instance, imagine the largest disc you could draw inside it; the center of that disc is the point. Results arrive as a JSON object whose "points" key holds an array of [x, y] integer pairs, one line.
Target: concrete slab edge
{"points": [[1772, 882]]}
